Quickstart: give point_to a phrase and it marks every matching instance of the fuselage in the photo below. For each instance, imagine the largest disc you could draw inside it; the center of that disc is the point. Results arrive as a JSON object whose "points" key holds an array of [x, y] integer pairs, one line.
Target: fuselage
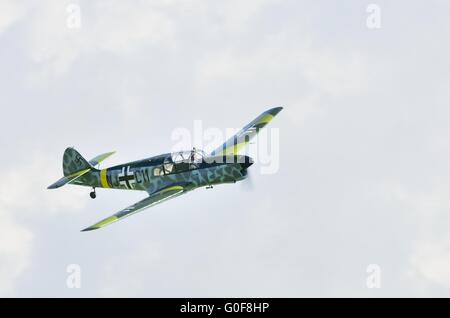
{"points": [[154, 173]]}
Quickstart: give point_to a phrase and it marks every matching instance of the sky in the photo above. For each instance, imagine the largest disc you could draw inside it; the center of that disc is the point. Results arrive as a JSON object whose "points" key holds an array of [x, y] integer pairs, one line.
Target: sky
{"points": [[363, 179]]}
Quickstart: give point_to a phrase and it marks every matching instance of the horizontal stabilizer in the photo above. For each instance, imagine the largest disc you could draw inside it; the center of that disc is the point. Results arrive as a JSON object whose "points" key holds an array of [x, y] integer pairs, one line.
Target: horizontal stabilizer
{"points": [[95, 161], [68, 179]]}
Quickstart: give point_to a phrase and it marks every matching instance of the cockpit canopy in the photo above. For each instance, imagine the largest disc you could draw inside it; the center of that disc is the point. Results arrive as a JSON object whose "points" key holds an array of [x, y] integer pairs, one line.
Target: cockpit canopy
{"points": [[191, 156], [180, 161]]}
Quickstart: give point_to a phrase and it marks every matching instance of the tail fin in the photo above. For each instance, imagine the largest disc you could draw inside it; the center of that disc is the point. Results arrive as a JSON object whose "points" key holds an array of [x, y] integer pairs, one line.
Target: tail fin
{"points": [[74, 166], [74, 162]]}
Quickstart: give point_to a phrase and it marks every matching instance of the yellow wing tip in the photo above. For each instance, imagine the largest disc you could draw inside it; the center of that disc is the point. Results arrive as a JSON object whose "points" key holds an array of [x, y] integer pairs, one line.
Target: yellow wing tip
{"points": [[91, 228], [101, 224], [274, 111]]}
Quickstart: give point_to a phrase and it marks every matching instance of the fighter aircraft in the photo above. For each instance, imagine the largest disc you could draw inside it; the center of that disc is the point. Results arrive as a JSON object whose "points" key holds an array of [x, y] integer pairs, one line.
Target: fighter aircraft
{"points": [[165, 176]]}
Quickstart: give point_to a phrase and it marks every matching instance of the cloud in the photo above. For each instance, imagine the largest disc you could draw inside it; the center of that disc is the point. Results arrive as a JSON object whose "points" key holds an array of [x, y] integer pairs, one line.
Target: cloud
{"points": [[424, 208], [364, 145], [119, 28], [15, 250], [431, 261], [301, 70], [114, 27], [23, 198], [25, 187], [10, 12], [121, 281]]}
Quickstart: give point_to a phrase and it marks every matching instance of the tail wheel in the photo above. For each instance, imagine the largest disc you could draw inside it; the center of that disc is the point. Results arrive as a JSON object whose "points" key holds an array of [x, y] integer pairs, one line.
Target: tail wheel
{"points": [[93, 195]]}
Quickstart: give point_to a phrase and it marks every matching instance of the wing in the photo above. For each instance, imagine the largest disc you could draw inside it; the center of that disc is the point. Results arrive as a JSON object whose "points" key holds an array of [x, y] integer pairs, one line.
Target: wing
{"points": [[95, 161], [153, 199], [233, 145]]}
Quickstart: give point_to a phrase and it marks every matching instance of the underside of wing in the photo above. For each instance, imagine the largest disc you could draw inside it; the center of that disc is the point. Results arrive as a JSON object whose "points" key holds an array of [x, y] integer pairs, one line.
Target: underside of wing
{"points": [[233, 145], [153, 199]]}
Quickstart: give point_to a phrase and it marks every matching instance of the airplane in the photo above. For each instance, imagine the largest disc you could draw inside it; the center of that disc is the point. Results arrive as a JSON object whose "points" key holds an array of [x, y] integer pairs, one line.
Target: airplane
{"points": [[165, 176]]}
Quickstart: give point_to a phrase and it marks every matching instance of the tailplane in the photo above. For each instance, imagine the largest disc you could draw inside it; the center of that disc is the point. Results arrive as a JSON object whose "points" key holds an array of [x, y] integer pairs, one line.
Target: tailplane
{"points": [[75, 166]]}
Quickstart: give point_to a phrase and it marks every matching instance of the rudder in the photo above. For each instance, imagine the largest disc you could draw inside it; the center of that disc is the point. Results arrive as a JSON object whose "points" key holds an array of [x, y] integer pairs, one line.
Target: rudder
{"points": [[74, 162]]}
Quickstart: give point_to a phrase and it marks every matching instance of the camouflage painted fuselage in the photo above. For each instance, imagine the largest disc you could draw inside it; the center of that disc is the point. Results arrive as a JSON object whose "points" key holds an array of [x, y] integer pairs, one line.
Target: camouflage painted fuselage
{"points": [[165, 176], [148, 174]]}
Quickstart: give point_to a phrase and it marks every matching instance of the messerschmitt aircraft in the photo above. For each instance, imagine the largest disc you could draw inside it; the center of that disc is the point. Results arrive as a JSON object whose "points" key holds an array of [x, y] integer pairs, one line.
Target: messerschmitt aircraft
{"points": [[165, 176]]}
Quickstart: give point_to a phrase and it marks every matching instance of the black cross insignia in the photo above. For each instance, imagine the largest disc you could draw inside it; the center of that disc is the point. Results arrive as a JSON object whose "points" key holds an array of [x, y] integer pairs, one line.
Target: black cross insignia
{"points": [[126, 177]]}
